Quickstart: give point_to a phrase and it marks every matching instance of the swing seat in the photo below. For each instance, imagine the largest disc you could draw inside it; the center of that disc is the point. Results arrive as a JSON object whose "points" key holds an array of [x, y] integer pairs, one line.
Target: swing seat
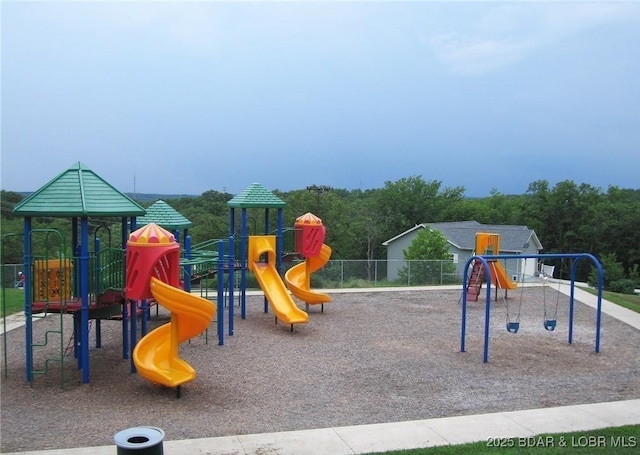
{"points": [[550, 324], [513, 327]]}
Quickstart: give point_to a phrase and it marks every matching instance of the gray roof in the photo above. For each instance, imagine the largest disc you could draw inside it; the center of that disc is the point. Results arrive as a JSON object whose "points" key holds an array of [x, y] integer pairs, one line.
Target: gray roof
{"points": [[462, 234]]}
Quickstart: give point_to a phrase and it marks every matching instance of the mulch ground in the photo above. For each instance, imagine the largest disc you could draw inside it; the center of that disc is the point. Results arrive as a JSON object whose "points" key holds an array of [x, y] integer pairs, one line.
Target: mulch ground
{"points": [[370, 357]]}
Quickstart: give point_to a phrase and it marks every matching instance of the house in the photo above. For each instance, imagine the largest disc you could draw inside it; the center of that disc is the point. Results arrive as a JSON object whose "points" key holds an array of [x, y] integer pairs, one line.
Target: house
{"points": [[461, 236]]}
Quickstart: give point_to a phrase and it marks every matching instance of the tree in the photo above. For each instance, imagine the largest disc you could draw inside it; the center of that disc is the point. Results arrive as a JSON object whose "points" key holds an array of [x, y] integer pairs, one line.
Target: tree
{"points": [[411, 201], [426, 254]]}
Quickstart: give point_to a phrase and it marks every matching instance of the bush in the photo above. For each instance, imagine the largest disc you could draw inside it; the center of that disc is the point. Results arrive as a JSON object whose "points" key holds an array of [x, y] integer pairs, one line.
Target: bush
{"points": [[624, 286]]}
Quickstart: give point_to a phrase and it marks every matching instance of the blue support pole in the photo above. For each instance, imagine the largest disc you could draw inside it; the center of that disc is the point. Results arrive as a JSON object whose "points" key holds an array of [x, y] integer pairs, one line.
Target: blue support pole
{"points": [[232, 278], [244, 239], [220, 305], [125, 329], [279, 240], [143, 318], [133, 316], [125, 318], [84, 296], [266, 232], [133, 329], [98, 268], [27, 298], [486, 258], [188, 269]]}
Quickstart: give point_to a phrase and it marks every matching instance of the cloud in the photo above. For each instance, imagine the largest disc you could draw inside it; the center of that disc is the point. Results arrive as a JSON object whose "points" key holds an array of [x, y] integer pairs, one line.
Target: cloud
{"points": [[508, 34]]}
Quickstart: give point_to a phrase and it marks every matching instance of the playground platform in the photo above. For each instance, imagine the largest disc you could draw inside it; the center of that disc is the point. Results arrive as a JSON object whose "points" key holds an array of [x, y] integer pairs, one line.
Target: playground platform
{"points": [[515, 426]]}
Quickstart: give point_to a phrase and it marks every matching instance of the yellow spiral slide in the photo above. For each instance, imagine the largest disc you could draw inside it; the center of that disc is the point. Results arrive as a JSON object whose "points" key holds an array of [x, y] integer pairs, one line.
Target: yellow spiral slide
{"points": [[298, 277], [156, 354]]}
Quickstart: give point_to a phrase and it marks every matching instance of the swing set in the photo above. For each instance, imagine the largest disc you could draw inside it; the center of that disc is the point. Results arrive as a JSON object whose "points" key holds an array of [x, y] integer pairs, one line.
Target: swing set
{"points": [[550, 319]]}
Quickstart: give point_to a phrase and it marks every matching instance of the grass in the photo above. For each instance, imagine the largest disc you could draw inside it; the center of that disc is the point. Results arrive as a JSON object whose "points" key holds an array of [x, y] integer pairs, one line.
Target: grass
{"points": [[12, 300], [606, 441], [629, 301]]}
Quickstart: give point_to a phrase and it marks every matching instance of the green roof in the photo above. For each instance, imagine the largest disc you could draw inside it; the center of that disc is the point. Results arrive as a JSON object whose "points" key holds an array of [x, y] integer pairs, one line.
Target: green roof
{"points": [[165, 216], [78, 191], [258, 196]]}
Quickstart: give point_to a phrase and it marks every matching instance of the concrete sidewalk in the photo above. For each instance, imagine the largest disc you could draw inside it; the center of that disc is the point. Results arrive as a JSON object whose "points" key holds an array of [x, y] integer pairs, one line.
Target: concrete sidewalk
{"points": [[515, 426]]}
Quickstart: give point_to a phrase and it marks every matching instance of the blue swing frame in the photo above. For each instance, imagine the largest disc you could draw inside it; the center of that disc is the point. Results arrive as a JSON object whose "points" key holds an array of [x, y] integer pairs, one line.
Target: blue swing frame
{"points": [[488, 279]]}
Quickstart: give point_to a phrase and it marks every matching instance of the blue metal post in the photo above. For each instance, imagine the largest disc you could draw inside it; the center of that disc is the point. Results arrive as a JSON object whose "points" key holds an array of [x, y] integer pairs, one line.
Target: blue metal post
{"points": [[266, 232], [98, 279], [144, 307], [125, 329], [463, 323], [571, 301], [187, 268], [279, 240], [133, 329], [84, 296], [244, 239], [232, 278], [133, 315], [27, 298], [125, 335], [220, 305], [487, 312]]}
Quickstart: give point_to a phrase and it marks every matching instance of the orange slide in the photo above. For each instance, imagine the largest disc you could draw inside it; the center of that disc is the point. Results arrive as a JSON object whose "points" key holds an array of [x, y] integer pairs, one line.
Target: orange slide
{"points": [[499, 277], [156, 354], [269, 279], [298, 277]]}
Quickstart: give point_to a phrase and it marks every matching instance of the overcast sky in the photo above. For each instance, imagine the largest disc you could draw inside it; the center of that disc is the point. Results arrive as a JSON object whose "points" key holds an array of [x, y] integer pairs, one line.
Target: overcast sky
{"points": [[186, 97]]}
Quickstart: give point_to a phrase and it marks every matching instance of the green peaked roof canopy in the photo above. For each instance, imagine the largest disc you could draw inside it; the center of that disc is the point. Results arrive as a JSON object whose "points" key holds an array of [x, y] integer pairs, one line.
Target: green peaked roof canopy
{"points": [[78, 191], [257, 196], [164, 215]]}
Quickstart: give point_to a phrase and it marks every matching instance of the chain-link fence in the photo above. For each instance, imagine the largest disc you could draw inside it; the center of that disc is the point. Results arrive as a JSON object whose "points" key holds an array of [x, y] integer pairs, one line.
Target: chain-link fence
{"points": [[350, 273], [11, 275], [346, 273]]}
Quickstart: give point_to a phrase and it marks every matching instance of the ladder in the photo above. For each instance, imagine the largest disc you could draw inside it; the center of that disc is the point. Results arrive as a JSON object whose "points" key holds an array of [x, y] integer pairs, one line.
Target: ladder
{"points": [[476, 278]]}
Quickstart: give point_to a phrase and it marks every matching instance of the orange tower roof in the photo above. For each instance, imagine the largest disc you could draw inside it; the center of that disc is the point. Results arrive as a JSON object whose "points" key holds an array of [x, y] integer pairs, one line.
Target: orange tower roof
{"points": [[308, 218], [151, 235]]}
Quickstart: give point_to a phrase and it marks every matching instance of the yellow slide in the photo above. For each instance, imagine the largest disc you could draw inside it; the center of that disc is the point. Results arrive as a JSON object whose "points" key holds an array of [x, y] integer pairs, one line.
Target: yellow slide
{"points": [[499, 277], [298, 277], [156, 354], [272, 285]]}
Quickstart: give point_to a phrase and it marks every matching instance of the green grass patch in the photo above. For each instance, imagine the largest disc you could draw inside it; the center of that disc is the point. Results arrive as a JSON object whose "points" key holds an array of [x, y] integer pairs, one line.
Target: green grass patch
{"points": [[606, 441], [632, 302], [12, 300]]}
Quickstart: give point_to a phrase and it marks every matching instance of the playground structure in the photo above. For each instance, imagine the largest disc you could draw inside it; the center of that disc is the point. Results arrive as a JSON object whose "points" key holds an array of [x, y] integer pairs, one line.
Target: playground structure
{"points": [[549, 324], [487, 244], [309, 242], [254, 248], [84, 278], [310, 235], [95, 283], [153, 270]]}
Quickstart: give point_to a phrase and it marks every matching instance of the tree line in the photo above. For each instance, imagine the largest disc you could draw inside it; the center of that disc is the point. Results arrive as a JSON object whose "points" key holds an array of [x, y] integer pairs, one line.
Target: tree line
{"points": [[567, 217]]}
